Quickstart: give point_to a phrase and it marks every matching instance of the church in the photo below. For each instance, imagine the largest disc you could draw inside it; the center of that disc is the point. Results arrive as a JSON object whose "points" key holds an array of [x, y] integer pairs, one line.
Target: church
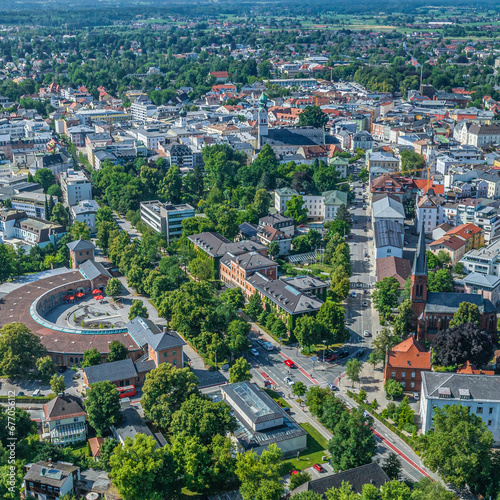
{"points": [[434, 310]]}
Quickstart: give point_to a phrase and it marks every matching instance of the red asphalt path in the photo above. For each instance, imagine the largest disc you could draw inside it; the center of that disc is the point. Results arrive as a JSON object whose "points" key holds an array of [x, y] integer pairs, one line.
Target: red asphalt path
{"points": [[401, 454], [313, 380]]}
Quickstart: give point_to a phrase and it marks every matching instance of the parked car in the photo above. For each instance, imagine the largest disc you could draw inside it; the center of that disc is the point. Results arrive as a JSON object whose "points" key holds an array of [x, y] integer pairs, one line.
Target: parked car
{"points": [[254, 352], [261, 341], [416, 396], [354, 293], [20, 393], [331, 357], [294, 472], [343, 354], [268, 346], [360, 353], [365, 304], [288, 380], [36, 392], [319, 468], [333, 387], [62, 369], [366, 333], [289, 363]]}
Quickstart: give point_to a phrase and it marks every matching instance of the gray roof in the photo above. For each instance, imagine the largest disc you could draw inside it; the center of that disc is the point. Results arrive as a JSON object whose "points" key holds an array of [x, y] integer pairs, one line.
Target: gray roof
{"points": [[210, 243], [357, 477], [484, 280], [114, 371], [285, 295], [480, 387], [53, 474], [144, 331], [388, 207], [270, 220], [388, 233], [288, 137], [420, 262], [244, 246], [132, 423], [306, 282], [79, 245], [248, 260], [92, 270], [85, 206], [450, 302], [63, 406]]}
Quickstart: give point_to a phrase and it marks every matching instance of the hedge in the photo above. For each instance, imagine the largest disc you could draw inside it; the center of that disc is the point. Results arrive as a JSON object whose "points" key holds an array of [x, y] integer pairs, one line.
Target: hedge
{"points": [[30, 399]]}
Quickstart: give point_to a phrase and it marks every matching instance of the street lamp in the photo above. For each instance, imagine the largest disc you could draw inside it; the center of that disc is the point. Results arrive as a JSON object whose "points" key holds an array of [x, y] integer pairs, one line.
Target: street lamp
{"points": [[216, 367], [324, 349]]}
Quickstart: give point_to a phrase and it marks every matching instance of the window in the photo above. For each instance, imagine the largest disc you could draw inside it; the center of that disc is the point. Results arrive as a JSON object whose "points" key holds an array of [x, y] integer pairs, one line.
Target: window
{"points": [[412, 385], [479, 410], [412, 374], [174, 353], [165, 354], [403, 384], [175, 362], [393, 374], [490, 411], [75, 419], [403, 374], [489, 423]]}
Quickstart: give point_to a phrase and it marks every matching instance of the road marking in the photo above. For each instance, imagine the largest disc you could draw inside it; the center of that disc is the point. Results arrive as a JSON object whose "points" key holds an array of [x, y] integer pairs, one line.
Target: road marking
{"points": [[313, 380], [400, 453], [265, 376]]}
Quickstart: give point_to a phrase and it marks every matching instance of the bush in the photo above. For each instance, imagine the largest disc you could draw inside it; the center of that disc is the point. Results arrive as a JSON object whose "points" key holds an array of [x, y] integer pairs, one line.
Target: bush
{"points": [[297, 479]]}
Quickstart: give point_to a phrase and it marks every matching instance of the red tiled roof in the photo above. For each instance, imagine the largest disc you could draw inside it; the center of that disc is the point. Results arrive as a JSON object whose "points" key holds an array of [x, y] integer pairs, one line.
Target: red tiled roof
{"points": [[468, 369], [409, 354]]}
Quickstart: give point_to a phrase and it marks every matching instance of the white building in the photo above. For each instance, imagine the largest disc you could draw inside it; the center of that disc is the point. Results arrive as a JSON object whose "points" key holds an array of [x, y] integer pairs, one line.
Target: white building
{"points": [[142, 109], [483, 135], [429, 212], [48, 480], [31, 203], [480, 393], [484, 260], [85, 212], [387, 207], [388, 237], [75, 187], [165, 218]]}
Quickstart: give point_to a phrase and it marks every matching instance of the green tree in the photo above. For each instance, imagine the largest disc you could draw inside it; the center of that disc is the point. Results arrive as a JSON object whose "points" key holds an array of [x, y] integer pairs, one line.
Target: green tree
{"points": [[385, 296], [171, 186], [331, 316], [459, 447], [117, 351], [237, 336], [466, 313], [300, 478], [60, 215], [164, 391], [427, 489], [353, 443], [45, 178], [363, 175], [393, 389], [273, 249], [102, 405], [233, 297], [201, 269], [299, 389], [79, 230], [432, 260], [91, 357], [254, 306], [312, 116], [333, 409], [261, 202], [392, 466], [353, 369], [106, 232], [201, 417], [19, 350], [7, 262], [403, 322], [57, 384], [296, 210], [339, 284], [46, 368], [106, 452], [260, 476], [440, 281], [114, 287], [308, 331], [459, 269], [104, 214], [56, 191], [315, 399], [385, 340], [411, 162], [240, 371], [142, 471], [138, 309]]}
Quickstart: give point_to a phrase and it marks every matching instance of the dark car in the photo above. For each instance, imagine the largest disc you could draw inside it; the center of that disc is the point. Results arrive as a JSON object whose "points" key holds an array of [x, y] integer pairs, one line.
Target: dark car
{"points": [[20, 393], [331, 357], [360, 354], [343, 354], [62, 369]]}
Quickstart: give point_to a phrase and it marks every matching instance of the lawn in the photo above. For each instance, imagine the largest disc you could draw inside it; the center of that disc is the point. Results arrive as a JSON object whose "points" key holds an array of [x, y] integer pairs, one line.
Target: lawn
{"points": [[277, 398], [316, 446]]}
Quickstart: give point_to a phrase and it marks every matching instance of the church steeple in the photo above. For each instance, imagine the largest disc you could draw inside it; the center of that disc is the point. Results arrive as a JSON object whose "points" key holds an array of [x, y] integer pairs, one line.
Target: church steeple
{"points": [[419, 277], [262, 122], [420, 262]]}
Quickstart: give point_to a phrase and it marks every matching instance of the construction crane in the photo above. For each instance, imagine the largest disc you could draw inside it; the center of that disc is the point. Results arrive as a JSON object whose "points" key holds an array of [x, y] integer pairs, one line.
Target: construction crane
{"points": [[428, 169]]}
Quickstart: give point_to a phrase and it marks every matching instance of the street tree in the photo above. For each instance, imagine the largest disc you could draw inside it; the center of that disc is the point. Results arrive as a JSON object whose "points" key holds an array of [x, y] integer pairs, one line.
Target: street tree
{"points": [[114, 288], [427, 489], [332, 411], [260, 476], [392, 466], [344, 215], [91, 357], [403, 322], [164, 391], [117, 351], [465, 342], [143, 471], [233, 297], [339, 284], [57, 384], [254, 306], [353, 369], [393, 389], [240, 371], [353, 443], [331, 316], [79, 231], [138, 309], [46, 368], [315, 399], [440, 281], [102, 405], [296, 210], [459, 447], [19, 350], [201, 269], [308, 331], [466, 313], [384, 340], [385, 296], [201, 417], [299, 389], [237, 336]]}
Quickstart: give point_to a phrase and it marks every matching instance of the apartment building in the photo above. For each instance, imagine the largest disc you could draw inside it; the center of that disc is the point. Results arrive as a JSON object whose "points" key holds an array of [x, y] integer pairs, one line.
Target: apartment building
{"points": [[75, 187]]}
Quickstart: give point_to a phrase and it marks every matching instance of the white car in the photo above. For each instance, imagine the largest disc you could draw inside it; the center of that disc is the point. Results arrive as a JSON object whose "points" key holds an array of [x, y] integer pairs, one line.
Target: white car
{"points": [[367, 259], [366, 333], [354, 293], [365, 304], [268, 346], [254, 352], [288, 380]]}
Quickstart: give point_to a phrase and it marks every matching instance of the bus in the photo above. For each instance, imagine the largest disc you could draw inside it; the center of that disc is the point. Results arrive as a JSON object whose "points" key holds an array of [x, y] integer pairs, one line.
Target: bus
{"points": [[126, 392]]}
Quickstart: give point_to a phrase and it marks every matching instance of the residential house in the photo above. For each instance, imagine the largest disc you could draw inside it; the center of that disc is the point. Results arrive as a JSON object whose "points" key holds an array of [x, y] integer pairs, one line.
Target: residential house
{"points": [[75, 187], [479, 393], [50, 480], [486, 285], [387, 207], [453, 245], [64, 420], [85, 212], [394, 267], [278, 221], [405, 363], [388, 239], [429, 212], [382, 159], [268, 235], [484, 260]]}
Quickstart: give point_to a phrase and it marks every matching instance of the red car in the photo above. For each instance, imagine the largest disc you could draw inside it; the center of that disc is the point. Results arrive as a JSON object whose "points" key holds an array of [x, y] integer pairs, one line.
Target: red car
{"points": [[319, 468], [294, 472], [332, 357], [289, 363]]}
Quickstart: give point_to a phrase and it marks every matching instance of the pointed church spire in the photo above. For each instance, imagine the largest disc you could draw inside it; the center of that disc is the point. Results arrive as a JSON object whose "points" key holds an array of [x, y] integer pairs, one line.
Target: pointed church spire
{"points": [[420, 262]]}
